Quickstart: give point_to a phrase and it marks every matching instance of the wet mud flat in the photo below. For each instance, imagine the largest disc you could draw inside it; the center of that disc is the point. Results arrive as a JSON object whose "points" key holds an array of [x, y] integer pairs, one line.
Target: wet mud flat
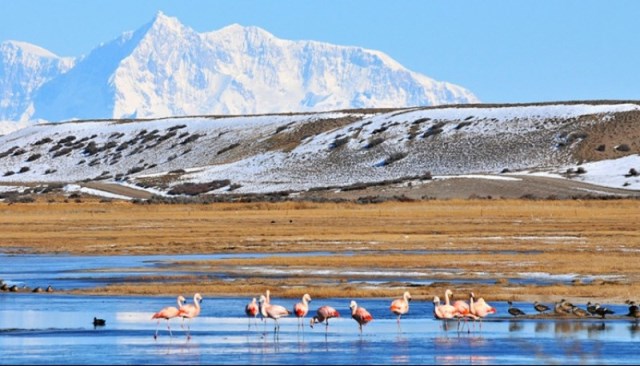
{"points": [[522, 250]]}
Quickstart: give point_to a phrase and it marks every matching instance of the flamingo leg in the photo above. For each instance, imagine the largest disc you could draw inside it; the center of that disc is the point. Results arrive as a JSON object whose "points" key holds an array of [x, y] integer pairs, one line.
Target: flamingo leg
{"points": [[155, 336], [169, 327]]}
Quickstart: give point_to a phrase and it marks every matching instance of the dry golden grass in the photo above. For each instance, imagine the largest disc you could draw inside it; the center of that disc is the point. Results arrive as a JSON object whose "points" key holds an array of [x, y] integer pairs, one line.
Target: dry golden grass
{"points": [[481, 238]]}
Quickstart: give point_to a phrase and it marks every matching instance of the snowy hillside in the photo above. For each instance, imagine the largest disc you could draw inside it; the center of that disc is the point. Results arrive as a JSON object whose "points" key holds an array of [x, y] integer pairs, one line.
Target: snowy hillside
{"points": [[595, 142], [167, 69]]}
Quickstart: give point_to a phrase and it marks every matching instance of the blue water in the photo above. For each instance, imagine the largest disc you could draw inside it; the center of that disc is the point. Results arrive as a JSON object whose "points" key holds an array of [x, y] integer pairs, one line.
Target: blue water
{"points": [[65, 272], [57, 329]]}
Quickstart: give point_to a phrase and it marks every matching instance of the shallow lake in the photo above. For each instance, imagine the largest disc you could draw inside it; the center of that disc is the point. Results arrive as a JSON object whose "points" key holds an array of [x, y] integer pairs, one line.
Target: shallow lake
{"points": [[58, 329]]}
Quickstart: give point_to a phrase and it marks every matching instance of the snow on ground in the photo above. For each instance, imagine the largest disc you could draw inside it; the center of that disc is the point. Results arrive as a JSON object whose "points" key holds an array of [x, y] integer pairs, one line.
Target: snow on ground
{"points": [[70, 188], [310, 163], [613, 173]]}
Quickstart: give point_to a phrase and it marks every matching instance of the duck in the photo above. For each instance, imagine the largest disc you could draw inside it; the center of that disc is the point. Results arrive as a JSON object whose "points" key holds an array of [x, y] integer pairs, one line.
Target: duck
{"points": [[514, 311], [602, 311], [592, 308], [563, 307], [99, 322], [579, 312], [541, 308], [634, 310]]}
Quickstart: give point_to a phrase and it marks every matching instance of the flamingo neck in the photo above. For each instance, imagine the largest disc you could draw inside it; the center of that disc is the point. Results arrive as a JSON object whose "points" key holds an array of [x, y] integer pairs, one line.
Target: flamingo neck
{"points": [[472, 307], [446, 298], [196, 302], [179, 303]]}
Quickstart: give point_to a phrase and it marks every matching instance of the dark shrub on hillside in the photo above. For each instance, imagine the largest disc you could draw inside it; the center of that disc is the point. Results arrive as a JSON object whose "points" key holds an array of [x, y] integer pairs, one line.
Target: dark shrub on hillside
{"points": [[63, 151], [50, 171], [66, 139], [194, 189], [632, 173], [176, 127], [33, 157], [134, 170], [191, 138], [623, 148], [374, 142], [91, 149], [232, 146], [600, 147], [393, 158], [9, 173], [24, 169], [43, 141], [19, 152], [339, 142]]}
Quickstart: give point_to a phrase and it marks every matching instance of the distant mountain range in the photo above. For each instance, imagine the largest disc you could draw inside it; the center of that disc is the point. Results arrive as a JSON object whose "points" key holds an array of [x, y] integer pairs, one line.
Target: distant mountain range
{"points": [[165, 68]]}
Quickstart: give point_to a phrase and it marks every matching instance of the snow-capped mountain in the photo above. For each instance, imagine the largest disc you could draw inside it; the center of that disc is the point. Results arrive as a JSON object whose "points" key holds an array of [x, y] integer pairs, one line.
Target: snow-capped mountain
{"points": [[24, 68], [165, 69]]}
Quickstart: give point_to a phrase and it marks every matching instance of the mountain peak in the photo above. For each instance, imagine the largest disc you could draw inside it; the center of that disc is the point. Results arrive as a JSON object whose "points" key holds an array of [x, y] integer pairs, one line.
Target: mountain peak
{"points": [[28, 48], [165, 68], [165, 22]]}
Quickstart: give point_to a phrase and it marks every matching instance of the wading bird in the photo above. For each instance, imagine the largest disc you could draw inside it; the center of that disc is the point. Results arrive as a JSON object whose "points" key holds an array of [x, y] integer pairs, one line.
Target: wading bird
{"points": [[401, 306], [251, 310], [360, 314], [301, 309], [480, 308], [274, 312], [443, 311], [167, 313], [323, 314], [190, 311]]}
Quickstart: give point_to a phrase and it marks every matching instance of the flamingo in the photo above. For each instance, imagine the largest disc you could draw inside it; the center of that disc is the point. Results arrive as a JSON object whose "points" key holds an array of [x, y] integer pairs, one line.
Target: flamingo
{"points": [[301, 309], [480, 308], [323, 314], [252, 311], [360, 314], [190, 311], [443, 311], [167, 313], [401, 306], [274, 312]]}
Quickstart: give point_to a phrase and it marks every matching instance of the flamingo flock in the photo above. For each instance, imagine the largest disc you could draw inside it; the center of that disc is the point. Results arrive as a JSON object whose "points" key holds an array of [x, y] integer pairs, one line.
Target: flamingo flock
{"points": [[476, 309]]}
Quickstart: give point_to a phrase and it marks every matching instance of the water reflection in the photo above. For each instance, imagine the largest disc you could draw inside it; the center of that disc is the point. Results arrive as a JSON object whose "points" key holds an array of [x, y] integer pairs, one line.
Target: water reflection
{"points": [[516, 326]]}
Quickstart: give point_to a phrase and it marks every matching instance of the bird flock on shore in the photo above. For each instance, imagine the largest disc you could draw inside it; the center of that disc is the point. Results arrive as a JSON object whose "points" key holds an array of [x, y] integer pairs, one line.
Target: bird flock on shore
{"points": [[475, 310]]}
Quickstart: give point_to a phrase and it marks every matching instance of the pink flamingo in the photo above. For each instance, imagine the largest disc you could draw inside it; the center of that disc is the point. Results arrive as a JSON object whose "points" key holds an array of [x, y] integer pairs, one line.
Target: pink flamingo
{"points": [[360, 314], [301, 309], [167, 313], [443, 311], [480, 308], [323, 314], [401, 306], [462, 309], [190, 311], [274, 312], [252, 311]]}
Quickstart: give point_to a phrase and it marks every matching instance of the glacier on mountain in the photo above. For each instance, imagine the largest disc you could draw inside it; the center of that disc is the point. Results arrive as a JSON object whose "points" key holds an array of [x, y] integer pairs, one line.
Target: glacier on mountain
{"points": [[165, 68]]}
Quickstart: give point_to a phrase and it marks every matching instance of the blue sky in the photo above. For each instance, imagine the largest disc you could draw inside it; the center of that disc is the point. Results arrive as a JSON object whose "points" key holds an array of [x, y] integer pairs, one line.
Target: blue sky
{"points": [[505, 51]]}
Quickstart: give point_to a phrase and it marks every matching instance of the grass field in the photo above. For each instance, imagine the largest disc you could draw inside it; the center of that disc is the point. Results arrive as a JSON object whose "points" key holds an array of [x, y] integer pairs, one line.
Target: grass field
{"points": [[468, 240]]}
